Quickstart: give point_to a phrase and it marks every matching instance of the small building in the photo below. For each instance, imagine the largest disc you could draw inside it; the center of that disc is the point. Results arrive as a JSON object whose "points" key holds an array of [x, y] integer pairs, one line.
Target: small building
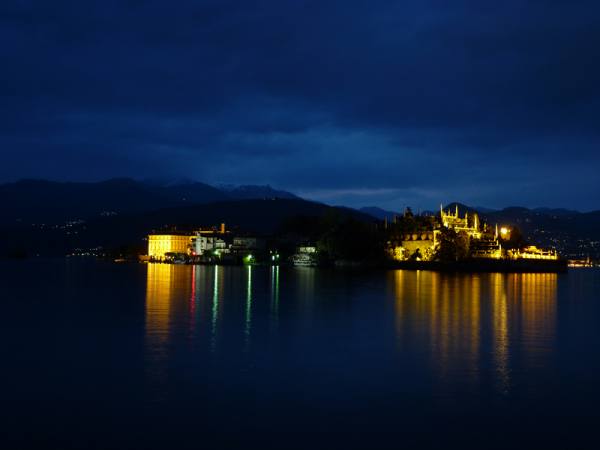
{"points": [[533, 252], [207, 244], [307, 249], [487, 247], [587, 262], [247, 244], [305, 256]]}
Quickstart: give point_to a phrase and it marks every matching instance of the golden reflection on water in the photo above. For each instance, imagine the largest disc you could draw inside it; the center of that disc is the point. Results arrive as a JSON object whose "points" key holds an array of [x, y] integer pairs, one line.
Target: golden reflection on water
{"points": [[500, 331], [166, 286], [466, 319], [167, 289]]}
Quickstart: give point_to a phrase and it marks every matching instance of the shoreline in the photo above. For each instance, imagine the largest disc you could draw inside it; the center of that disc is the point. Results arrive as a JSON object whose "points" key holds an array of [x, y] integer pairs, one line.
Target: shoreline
{"points": [[472, 265], [466, 266]]}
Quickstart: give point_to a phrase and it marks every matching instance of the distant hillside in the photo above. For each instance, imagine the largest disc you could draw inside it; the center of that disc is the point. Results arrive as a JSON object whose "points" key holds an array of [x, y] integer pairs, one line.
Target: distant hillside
{"points": [[379, 213], [56, 215], [483, 209], [49, 202], [246, 192], [556, 211], [39, 201], [254, 216], [261, 217]]}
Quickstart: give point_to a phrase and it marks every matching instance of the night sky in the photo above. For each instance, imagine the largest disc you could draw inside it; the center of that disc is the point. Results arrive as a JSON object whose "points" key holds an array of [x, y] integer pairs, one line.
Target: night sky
{"points": [[492, 103]]}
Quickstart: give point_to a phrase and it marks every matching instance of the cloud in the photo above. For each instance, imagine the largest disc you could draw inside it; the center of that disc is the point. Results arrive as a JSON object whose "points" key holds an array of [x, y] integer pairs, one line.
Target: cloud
{"points": [[475, 101]]}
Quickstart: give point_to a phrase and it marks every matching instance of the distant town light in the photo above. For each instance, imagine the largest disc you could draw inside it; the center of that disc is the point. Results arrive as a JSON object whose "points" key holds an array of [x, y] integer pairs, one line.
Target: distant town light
{"points": [[503, 231]]}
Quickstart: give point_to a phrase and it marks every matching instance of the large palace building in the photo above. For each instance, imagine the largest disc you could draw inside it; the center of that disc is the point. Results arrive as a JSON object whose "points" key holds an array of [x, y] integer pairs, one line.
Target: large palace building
{"points": [[160, 245], [483, 242], [467, 224]]}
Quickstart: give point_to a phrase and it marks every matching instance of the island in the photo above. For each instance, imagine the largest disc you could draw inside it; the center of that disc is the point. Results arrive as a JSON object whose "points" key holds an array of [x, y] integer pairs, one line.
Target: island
{"points": [[450, 240]]}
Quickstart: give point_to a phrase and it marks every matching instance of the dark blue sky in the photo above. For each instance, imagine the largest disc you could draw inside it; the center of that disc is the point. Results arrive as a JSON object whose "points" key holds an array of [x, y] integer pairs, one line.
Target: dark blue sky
{"points": [[384, 103]]}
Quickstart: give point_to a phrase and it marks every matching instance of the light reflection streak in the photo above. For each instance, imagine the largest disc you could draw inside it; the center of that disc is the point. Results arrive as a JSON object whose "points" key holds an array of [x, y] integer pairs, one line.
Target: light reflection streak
{"points": [[248, 318], [305, 290], [537, 293], [192, 304], [501, 331], [159, 282], [215, 309], [275, 294]]}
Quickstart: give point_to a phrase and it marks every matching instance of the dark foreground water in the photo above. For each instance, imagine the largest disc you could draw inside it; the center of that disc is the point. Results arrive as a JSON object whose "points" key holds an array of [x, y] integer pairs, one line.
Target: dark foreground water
{"points": [[100, 355]]}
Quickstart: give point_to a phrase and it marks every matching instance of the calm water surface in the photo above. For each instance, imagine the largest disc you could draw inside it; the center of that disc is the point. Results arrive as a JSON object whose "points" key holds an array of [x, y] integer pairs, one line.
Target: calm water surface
{"points": [[101, 355]]}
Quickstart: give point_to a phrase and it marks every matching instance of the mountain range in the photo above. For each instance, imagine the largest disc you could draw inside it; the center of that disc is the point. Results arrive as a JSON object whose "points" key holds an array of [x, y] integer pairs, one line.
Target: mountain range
{"points": [[52, 218], [129, 209], [50, 202]]}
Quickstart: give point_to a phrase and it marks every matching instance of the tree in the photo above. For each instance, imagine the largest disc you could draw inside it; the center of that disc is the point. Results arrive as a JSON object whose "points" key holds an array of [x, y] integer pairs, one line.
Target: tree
{"points": [[453, 246]]}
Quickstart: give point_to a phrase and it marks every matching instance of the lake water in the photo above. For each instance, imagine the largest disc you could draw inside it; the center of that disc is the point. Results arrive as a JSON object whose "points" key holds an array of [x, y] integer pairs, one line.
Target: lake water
{"points": [[102, 355]]}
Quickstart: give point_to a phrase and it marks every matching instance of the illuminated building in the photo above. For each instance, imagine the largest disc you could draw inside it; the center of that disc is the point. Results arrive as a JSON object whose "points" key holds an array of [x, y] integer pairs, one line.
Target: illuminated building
{"points": [[204, 244], [468, 224], [487, 247], [532, 252], [423, 245], [210, 242], [161, 244], [481, 242], [587, 262], [305, 256]]}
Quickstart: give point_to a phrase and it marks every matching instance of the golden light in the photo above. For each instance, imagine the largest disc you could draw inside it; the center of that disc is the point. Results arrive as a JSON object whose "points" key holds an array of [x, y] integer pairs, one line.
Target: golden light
{"points": [[504, 231]]}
